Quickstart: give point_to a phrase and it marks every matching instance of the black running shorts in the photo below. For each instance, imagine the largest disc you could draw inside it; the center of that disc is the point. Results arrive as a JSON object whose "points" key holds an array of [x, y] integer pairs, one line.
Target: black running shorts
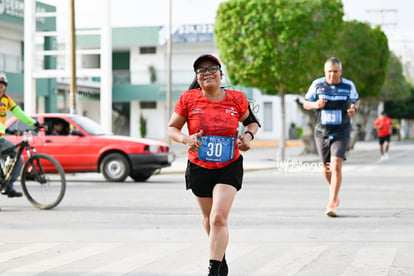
{"points": [[327, 148], [202, 181], [384, 139]]}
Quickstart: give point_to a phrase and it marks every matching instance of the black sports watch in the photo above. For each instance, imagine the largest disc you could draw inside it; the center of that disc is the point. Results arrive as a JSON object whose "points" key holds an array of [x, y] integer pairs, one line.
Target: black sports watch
{"points": [[251, 134]]}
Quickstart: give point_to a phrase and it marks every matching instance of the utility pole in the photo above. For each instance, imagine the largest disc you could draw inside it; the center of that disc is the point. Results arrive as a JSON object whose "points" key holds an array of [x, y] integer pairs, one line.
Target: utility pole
{"points": [[106, 67], [72, 88], [388, 17], [169, 64], [29, 49]]}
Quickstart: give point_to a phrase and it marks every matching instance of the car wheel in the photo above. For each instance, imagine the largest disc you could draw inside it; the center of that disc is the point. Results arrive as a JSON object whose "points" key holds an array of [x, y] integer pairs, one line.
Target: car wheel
{"points": [[141, 176], [115, 167]]}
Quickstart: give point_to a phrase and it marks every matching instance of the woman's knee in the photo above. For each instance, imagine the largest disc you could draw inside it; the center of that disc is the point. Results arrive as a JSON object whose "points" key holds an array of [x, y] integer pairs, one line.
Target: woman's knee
{"points": [[218, 219]]}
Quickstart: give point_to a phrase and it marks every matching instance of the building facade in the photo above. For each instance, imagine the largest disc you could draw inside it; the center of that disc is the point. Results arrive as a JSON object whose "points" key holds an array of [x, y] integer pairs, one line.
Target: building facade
{"points": [[12, 51]]}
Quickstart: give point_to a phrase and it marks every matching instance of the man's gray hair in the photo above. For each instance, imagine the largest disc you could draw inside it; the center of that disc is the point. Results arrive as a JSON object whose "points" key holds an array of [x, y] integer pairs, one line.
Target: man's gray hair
{"points": [[334, 60]]}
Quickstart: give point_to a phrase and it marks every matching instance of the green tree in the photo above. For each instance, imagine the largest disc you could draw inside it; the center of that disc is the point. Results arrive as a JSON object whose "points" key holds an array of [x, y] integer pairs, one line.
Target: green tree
{"points": [[401, 109], [274, 44], [364, 54], [143, 126], [396, 87], [397, 93], [153, 73]]}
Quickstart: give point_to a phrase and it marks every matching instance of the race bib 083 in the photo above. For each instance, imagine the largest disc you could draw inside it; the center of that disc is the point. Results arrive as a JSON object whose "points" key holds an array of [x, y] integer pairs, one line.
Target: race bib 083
{"points": [[331, 117], [216, 148]]}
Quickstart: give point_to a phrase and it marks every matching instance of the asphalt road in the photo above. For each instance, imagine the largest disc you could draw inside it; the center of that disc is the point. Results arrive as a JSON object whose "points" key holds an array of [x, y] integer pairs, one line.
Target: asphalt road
{"points": [[277, 224]]}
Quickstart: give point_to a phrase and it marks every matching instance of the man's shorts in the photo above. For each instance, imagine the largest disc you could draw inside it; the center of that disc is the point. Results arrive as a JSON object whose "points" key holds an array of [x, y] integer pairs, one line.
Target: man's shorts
{"points": [[202, 181], [335, 147], [384, 139]]}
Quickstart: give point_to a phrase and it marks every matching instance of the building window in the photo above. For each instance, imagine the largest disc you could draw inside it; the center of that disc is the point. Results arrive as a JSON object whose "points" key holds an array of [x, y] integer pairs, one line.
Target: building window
{"points": [[148, 105], [268, 116], [147, 50], [10, 63], [2, 62]]}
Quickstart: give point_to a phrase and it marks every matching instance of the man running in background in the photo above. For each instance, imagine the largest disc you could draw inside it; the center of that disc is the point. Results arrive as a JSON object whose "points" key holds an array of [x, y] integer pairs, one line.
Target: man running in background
{"points": [[383, 125]]}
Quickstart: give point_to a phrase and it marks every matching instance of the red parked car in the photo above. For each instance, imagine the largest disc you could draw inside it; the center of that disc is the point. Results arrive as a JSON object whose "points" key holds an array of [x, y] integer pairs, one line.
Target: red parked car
{"points": [[83, 146]]}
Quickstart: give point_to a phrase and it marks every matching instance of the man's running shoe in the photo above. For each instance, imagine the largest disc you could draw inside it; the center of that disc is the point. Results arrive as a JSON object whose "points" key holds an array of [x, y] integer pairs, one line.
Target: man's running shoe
{"points": [[331, 209]]}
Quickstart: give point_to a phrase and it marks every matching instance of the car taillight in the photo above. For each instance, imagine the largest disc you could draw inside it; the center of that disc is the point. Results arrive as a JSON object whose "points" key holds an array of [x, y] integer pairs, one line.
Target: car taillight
{"points": [[151, 148], [155, 148], [164, 149]]}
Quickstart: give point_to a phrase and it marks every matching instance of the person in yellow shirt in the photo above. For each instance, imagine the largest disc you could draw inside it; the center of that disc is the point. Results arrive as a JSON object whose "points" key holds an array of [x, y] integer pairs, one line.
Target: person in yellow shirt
{"points": [[7, 103]]}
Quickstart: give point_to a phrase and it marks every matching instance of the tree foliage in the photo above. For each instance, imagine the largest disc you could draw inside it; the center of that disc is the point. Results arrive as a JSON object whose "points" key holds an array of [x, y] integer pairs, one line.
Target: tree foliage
{"points": [[397, 93], [364, 53], [274, 44], [401, 109], [396, 87]]}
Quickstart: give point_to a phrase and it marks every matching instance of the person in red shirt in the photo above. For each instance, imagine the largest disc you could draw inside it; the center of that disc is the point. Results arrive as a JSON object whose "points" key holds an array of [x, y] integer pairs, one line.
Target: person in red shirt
{"points": [[382, 125], [215, 167]]}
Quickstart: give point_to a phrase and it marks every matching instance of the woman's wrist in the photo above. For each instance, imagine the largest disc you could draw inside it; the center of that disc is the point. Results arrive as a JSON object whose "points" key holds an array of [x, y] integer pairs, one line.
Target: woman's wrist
{"points": [[184, 139], [251, 134]]}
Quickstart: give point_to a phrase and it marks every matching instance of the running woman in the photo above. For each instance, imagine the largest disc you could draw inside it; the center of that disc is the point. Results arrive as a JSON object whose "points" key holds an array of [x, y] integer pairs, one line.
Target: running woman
{"points": [[215, 167]]}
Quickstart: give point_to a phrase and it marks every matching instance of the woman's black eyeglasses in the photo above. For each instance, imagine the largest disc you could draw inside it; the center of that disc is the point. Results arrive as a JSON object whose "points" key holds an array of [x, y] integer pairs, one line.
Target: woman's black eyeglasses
{"points": [[202, 70]]}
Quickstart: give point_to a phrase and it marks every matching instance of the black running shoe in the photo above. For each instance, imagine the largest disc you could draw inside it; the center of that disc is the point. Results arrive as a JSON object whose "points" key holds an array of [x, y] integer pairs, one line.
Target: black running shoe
{"points": [[214, 268]]}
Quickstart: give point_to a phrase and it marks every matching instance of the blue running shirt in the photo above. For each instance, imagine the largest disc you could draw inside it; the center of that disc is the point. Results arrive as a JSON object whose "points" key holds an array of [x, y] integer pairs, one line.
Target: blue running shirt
{"points": [[333, 120]]}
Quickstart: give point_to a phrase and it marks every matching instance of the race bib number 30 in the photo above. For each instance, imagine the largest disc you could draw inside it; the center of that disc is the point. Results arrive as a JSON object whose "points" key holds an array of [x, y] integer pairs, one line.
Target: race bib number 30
{"points": [[216, 148], [331, 117]]}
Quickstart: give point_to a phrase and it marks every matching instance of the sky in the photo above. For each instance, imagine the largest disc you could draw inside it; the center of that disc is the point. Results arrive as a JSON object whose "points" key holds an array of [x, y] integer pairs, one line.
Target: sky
{"points": [[155, 12], [394, 15]]}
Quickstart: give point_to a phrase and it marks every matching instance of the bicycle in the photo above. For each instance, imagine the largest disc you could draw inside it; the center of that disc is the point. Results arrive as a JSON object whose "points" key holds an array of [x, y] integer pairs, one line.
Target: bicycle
{"points": [[42, 177]]}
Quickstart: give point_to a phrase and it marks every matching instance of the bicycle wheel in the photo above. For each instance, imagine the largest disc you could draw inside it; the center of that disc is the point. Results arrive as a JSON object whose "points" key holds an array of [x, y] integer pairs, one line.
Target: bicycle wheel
{"points": [[43, 181]]}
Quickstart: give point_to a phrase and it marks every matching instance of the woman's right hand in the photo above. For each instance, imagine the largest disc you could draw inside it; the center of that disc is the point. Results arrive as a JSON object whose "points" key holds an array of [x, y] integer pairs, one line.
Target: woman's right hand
{"points": [[192, 142]]}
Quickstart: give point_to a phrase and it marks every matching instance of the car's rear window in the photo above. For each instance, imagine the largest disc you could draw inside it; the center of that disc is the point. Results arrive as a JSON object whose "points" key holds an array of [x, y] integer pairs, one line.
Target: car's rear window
{"points": [[90, 126]]}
